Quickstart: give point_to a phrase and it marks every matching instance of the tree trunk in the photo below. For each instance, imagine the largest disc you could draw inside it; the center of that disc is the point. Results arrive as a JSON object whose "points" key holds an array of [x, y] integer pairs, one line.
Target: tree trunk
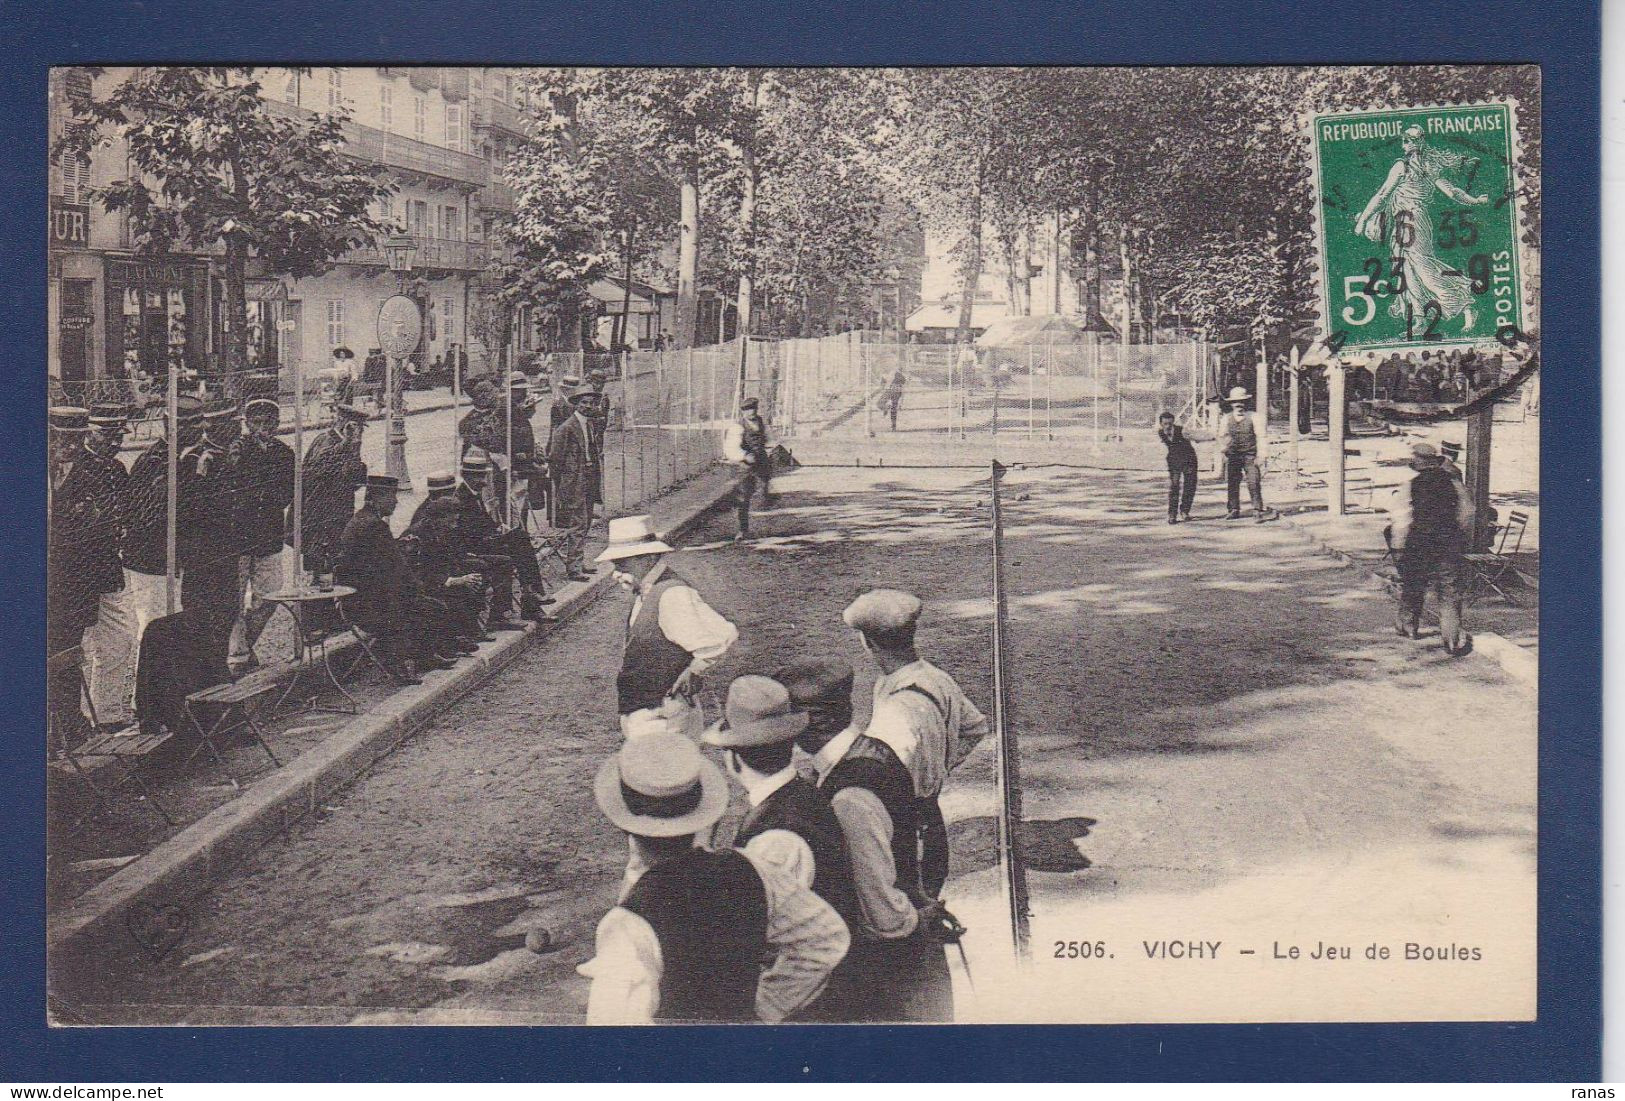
{"points": [[1012, 293], [1055, 267], [1027, 272], [747, 212], [688, 251], [237, 296], [626, 291], [973, 264]]}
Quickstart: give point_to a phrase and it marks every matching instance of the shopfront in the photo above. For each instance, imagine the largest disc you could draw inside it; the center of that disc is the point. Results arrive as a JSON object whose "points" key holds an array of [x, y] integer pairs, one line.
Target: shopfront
{"points": [[157, 317]]}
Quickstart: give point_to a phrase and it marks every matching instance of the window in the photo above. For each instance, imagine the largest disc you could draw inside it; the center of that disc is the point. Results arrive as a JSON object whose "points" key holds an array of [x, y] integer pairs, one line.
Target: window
{"points": [[420, 117], [451, 223], [454, 126], [386, 106], [335, 323], [335, 89], [446, 318], [291, 89], [386, 210], [75, 178], [417, 217]]}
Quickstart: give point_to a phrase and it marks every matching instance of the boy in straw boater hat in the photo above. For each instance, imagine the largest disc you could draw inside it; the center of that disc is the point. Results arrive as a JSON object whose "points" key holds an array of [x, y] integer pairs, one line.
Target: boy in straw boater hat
{"points": [[672, 635], [687, 940]]}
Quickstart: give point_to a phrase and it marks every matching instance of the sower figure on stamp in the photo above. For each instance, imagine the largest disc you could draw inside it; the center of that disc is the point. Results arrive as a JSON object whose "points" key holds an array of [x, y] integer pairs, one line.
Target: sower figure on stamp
{"points": [[99, 485], [570, 464], [687, 940], [757, 734], [1238, 445], [746, 444], [263, 468], [896, 970], [1182, 468], [919, 711], [1433, 519], [672, 635], [333, 471]]}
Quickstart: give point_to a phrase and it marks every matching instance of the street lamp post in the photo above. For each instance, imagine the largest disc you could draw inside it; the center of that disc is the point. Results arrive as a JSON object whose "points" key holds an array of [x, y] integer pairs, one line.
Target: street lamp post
{"points": [[400, 325], [400, 250]]}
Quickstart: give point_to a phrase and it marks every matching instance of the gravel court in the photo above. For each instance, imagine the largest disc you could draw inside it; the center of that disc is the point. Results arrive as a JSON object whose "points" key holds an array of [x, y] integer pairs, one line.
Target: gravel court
{"points": [[1198, 708]]}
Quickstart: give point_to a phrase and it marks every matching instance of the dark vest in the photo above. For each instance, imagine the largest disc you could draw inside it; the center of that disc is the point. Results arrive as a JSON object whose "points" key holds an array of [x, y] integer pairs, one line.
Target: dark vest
{"points": [[651, 662], [1243, 438], [805, 811], [708, 910], [872, 765], [753, 439], [1434, 524]]}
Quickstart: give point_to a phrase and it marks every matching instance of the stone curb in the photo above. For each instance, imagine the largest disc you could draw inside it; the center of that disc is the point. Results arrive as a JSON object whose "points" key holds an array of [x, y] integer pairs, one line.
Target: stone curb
{"points": [[184, 867], [1517, 662]]}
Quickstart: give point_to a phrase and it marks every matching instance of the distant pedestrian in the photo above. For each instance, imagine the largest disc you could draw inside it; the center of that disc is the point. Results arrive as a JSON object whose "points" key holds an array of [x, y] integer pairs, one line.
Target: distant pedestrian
{"points": [[892, 400], [574, 481], [1431, 529], [1182, 468], [700, 936], [745, 443], [1238, 444]]}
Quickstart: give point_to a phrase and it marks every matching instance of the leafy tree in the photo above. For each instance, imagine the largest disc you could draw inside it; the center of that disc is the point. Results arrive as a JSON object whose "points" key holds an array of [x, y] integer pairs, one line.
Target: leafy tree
{"points": [[213, 168]]}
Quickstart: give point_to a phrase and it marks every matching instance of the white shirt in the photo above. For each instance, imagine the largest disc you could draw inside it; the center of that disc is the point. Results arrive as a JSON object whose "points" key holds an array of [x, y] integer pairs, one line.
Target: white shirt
{"points": [[687, 620], [758, 787], [929, 735], [808, 936], [886, 912]]}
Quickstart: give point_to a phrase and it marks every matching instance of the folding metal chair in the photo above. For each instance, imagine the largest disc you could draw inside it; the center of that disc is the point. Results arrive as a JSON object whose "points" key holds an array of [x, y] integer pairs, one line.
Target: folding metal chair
{"points": [[102, 749], [1496, 569], [236, 705]]}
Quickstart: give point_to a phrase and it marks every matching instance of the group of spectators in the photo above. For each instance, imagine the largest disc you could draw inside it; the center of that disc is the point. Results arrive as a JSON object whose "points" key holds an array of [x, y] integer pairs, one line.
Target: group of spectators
{"points": [[465, 558]]}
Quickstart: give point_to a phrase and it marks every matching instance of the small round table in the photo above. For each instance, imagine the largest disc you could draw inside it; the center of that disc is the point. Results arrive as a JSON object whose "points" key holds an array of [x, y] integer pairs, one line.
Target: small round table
{"points": [[313, 644]]}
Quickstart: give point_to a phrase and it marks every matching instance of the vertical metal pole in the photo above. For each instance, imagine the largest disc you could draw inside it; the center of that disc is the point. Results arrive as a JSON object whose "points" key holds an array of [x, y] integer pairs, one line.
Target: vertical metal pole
{"points": [[627, 418], [868, 406], [456, 411], [1030, 384], [1292, 415], [1335, 459], [1477, 474], [1095, 357], [298, 468], [507, 493], [1014, 881], [171, 482], [1261, 403]]}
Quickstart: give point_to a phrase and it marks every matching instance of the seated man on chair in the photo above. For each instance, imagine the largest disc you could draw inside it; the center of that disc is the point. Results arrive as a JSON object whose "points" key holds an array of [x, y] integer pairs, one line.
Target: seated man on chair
{"points": [[387, 603], [446, 574], [507, 550]]}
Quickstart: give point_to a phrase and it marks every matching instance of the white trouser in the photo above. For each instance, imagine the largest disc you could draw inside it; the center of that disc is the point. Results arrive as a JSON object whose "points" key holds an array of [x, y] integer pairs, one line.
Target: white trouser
{"points": [[258, 576], [109, 660], [148, 598]]}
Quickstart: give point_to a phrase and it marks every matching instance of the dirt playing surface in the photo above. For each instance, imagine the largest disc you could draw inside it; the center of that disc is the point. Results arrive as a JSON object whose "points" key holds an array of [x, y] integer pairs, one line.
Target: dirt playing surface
{"points": [[1208, 715]]}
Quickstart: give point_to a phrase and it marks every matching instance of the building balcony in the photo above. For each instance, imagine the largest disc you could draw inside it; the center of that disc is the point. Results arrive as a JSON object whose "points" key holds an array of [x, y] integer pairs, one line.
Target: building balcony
{"points": [[368, 143], [498, 196], [433, 254], [493, 113]]}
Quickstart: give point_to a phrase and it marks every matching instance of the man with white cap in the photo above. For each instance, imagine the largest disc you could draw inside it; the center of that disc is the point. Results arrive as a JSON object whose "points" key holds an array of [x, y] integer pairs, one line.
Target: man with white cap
{"points": [[757, 734], [1431, 529], [687, 940], [1238, 445], [672, 635], [919, 711]]}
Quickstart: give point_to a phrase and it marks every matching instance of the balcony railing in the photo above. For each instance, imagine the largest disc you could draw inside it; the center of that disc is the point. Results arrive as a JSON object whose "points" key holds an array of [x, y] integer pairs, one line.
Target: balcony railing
{"points": [[381, 147], [433, 254], [493, 112], [498, 196]]}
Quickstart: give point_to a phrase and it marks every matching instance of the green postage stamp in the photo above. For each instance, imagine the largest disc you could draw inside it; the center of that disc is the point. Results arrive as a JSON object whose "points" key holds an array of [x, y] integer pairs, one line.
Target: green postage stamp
{"points": [[1418, 227]]}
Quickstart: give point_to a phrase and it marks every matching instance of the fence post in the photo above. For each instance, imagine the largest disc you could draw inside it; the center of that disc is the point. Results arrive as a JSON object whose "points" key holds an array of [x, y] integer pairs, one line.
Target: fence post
{"points": [[868, 406], [298, 469], [171, 476], [1094, 357], [627, 416], [507, 489], [1030, 385]]}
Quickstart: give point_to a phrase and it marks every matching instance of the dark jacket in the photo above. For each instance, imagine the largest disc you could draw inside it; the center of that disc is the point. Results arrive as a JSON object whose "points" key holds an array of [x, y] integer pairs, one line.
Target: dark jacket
{"points": [[803, 810], [370, 561], [570, 459], [1181, 454], [477, 532], [333, 472], [145, 542], [264, 477]]}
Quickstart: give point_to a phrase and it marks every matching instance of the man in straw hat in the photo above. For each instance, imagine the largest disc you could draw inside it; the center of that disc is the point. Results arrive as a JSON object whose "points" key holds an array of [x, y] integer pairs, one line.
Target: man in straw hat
{"points": [[263, 469], [919, 711], [572, 466], [562, 408], [687, 940], [97, 486], [1238, 443], [672, 635], [506, 551], [896, 969], [757, 733], [1430, 530], [144, 548]]}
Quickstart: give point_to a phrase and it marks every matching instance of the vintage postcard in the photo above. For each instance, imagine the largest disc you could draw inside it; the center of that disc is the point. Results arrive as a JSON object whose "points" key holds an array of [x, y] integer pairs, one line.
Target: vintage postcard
{"points": [[680, 545]]}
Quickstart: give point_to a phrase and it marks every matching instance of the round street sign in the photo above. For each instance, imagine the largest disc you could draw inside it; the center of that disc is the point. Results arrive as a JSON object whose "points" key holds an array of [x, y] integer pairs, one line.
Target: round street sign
{"points": [[399, 326]]}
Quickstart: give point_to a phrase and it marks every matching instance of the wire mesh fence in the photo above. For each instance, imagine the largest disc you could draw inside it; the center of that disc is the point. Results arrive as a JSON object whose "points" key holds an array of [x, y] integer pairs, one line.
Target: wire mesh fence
{"points": [[251, 491], [838, 386]]}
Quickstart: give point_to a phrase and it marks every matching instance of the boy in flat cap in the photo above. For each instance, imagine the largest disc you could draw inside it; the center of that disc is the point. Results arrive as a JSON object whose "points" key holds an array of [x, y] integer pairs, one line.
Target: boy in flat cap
{"points": [[919, 711], [687, 940], [894, 970]]}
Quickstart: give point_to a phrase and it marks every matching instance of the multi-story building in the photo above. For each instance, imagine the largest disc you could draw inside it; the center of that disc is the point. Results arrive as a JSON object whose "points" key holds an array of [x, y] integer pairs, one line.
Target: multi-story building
{"points": [[443, 137]]}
